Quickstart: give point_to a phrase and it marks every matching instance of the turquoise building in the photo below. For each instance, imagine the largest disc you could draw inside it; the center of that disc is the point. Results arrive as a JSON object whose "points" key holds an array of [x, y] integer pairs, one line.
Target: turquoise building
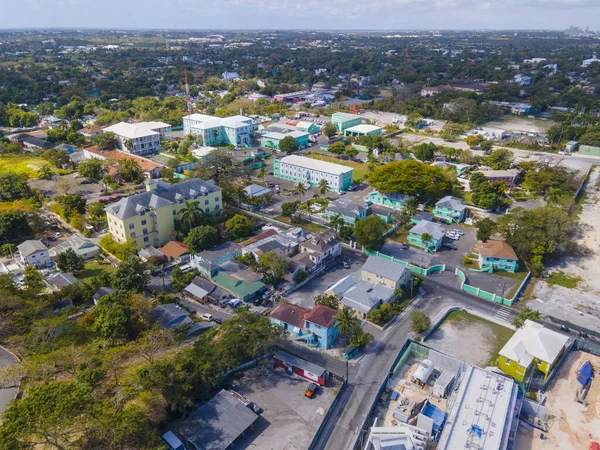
{"points": [[434, 230], [450, 209], [363, 130], [392, 201], [344, 120], [321, 323], [273, 134], [498, 255], [307, 170], [349, 211]]}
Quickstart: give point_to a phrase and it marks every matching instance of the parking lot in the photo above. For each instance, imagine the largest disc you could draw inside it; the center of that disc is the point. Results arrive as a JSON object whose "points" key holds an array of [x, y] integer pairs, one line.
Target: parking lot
{"points": [[289, 420]]}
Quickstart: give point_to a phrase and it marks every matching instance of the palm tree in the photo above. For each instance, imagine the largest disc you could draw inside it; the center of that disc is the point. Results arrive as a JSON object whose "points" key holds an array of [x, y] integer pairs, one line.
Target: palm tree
{"points": [[262, 173], [128, 143], [188, 215], [411, 206], [346, 322], [336, 221], [425, 238], [323, 185], [300, 189], [553, 196]]}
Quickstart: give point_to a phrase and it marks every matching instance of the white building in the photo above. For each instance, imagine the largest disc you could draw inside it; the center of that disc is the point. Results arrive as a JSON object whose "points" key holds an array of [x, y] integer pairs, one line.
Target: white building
{"points": [[403, 436], [234, 130], [230, 76], [144, 136], [306, 170], [34, 253], [589, 62]]}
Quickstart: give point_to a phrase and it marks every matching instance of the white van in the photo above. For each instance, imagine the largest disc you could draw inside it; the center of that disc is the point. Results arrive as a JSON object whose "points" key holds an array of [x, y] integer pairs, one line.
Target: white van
{"points": [[235, 303]]}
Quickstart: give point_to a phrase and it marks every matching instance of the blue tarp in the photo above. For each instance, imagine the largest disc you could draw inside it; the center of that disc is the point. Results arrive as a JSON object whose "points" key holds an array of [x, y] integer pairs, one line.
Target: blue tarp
{"points": [[435, 413], [585, 373]]}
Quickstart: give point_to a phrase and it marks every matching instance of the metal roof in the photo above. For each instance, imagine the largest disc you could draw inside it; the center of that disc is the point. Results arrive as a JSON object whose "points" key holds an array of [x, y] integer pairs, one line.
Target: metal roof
{"points": [[315, 164], [298, 362], [30, 247]]}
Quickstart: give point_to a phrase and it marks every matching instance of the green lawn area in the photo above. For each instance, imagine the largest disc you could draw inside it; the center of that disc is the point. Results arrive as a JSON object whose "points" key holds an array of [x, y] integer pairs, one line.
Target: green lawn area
{"points": [[520, 275], [24, 164], [308, 226], [360, 169], [94, 268], [559, 278], [401, 235]]}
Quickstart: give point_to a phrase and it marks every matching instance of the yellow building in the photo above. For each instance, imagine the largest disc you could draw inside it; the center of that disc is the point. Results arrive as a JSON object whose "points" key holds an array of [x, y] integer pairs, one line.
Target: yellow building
{"points": [[149, 218], [531, 347]]}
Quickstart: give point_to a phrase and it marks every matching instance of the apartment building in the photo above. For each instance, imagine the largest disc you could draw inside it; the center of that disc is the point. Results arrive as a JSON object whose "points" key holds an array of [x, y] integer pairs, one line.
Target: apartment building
{"points": [[306, 170], [149, 218], [234, 130], [141, 138]]}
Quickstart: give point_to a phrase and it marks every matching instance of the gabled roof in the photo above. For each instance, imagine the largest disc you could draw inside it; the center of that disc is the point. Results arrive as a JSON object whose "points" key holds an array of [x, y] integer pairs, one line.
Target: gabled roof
{"points": [[199, 287], [322, 316], [101, 292], [60, 280], [75, 242], [260, 236], [136, 130], [30, 247], [169, 315], [346, 207], [497, 249], [292, 314], [534, 341], [424, 226], [219, 251], [383, 268], [254, 190], [322, 242], [453, 203], [174, 249]]}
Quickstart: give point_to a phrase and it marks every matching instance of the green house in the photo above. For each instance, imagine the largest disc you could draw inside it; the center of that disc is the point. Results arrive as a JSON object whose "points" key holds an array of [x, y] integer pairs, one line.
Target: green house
{"points": [[392, 201], [498, 255], [307, 127], [349, 211], [450, 209], [435, 232]]}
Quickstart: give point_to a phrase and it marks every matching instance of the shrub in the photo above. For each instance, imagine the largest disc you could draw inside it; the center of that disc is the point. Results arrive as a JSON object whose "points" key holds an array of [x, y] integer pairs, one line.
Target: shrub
{"points": [[419, 321]]}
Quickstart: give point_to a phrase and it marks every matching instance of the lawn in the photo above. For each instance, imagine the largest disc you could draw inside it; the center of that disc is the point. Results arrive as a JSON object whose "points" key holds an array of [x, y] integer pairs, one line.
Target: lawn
{"points": [[93, 269], [308, 226], [360, 169], [559, 278], [520, 275], [24, 164], [400, 235]]}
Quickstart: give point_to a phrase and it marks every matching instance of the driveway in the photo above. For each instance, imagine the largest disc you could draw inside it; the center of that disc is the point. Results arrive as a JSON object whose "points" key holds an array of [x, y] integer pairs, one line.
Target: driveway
{"points": [[411, 254], [465, 246]]}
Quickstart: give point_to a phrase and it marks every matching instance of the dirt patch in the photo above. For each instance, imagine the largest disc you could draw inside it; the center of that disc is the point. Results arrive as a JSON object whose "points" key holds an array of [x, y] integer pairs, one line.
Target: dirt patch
{"points": [[572, 425], [519, 124], [469, 338]]}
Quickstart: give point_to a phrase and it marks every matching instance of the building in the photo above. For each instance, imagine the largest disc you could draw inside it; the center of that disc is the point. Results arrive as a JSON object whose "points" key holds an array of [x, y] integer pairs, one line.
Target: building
{"points": [[254, 190], [150, 168], [429, 91], [274, 134], [61, 280], [81, 246], [207, 260], [344, 120], [402, 436], [281, 245], [256, 96], [307, 127], [142, 138], [290, 318], [347, 210], [321, 324], [230, 76], [517, 108], [532, 348], [91, 131], [508, 176], [434, 230], [33, 143], [218, 423], [571, 146], [322, 247], [498, 255], [379, 270], [450, 209], [392, 201], [149, 218], [202, 290], [102, 291], [589, 62], [34, 253], [522, 80], [170, 316], [202, 152], [307, 170], [363, 130], [175, 251], [301, 367], [234, 130]]}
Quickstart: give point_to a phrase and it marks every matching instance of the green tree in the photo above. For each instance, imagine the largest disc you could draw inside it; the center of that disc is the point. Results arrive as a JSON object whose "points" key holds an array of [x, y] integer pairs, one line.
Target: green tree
{"points": [[485, 229], [105, 141], [131, 171], [419, 321], [300, 189], [239, 226], [500, 159], [331, 301], [486, 146], [70, 205], [14, 226], [337, 148], [411, 206], [330, 130], [553, 196], [346, 322], [69, 261], [336, 221], [273, 266], [14, 187], [370, 231], [526, 313], [323, 186], [52, 415], [288, 209], [33, 279], [111, 319], [131, 275], [90, 169], [188, 215], [201, 238], [288, 145], [96, 214], [425, 238], [45, 172], [425, 152], [57, 156]]}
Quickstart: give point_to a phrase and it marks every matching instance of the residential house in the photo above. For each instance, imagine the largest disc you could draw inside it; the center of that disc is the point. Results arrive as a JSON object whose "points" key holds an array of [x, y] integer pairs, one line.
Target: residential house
{"points": [[282, 245], [207, 261], [254, 190], [199, 289], [81, 246], [149, 218], [434, 230], [321, 322], [300, 169], [383, 213], [347, 210], [423, 215], [265, 233], [450, 209], [532, 347], [142, 138], [429, 91], [102, 292], [151, 169], [170, 316], [498, 255], [230, 76], [322, 247], [32, 143], [392, 201], [379, 270], [34, 253], [508, 176], [274, 134], [61, 280], [91, 131], [234, 130], [175, 251], [149, 251], [290, 318], [307, 127]]}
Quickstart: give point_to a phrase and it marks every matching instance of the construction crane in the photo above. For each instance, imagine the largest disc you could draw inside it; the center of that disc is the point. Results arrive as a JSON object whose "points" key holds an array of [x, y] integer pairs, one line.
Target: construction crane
{"points": [[188, 97]]}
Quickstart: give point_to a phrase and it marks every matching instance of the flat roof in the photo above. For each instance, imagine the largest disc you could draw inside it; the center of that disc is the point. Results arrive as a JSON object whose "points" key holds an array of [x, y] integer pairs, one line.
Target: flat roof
{"points": [[299, 362], [345, 116], [363, 128], [315, 164]]}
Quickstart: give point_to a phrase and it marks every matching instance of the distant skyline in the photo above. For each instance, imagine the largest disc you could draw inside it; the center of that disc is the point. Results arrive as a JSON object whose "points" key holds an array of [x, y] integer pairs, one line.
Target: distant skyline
{"points": [[303, 14]]}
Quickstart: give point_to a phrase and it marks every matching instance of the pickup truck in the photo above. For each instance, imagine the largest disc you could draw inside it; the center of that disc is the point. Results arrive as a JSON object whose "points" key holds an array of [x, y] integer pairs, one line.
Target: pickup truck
{"points": [[311, 390]]}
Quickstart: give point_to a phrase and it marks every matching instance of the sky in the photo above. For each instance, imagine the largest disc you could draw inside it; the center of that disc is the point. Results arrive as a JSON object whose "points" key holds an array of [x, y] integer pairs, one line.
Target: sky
{"points": [[301, 14]]}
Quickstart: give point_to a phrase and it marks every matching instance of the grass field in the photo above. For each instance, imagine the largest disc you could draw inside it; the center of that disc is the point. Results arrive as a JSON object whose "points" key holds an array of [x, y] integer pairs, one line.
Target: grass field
{"points": [[94, 268], [308, 226], [23, 164], [360, 169]]}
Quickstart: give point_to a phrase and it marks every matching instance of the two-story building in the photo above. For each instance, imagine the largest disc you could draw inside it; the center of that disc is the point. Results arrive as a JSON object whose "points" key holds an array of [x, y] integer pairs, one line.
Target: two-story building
{"points": [[508, 176], [426, 235], [498, 255], [379, 270], [392, 201], [322, 247], [150, 217], [234, 130], [450, 209], [142, 138], [300, 169], [34, 253], [274, 134], [347, 210], [531, 348], [321, 323], [290, 318], [344, 120]]}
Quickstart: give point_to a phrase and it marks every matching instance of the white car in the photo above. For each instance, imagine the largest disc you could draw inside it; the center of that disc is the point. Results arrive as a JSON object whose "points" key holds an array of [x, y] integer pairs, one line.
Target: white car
{"points": [[454, 237], [346, 265], [456, 231], [206, 316]]}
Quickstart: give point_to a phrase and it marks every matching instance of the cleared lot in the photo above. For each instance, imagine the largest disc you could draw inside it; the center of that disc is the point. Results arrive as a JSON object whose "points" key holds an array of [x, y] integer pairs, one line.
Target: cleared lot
{"points": [[289, 420], [520, 124]]}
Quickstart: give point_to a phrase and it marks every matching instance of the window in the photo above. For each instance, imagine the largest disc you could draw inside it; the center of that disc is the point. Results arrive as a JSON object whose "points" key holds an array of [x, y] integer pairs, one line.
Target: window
{"points": [[132, 234], [174, 212], [145, 231], [145, 238], [131, 226], [508, 361], [206, 202], [143, 221], [207, 209], [142, 212]]}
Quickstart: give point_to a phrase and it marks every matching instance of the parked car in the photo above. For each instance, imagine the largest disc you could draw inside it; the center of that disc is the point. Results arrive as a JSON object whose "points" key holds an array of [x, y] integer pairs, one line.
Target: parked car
{"points": [[257, 409], [342, 192], [311, 390], [207, 316], [450, 246], [351, 188], [85, 182], [404, 246], [346, 265], [51, 238], [457, 231], [452, 236], [235, 303], [218, 320], [257, 302], [57, 234]]}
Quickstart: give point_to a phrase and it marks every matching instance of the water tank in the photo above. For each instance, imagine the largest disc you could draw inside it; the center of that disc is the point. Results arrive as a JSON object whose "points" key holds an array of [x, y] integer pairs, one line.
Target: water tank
{"points": [[423, 371]]}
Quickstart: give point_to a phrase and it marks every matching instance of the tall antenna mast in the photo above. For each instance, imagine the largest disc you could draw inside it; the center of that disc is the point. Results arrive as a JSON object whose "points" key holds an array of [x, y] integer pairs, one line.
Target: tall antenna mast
{"points": [[188, 97]]}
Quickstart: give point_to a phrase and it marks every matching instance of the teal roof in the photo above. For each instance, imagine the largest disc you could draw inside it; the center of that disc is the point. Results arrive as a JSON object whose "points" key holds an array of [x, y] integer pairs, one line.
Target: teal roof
{"points": [[240, 288]]}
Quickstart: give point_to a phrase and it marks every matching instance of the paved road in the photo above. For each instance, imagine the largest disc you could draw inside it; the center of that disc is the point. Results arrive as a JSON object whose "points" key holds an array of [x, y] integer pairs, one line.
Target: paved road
{"points": [[6, 395]]}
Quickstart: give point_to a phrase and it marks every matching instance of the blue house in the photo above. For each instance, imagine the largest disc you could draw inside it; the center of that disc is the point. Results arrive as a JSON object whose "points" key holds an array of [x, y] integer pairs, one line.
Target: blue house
{"points": [[291, 318], [321, 322]]}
